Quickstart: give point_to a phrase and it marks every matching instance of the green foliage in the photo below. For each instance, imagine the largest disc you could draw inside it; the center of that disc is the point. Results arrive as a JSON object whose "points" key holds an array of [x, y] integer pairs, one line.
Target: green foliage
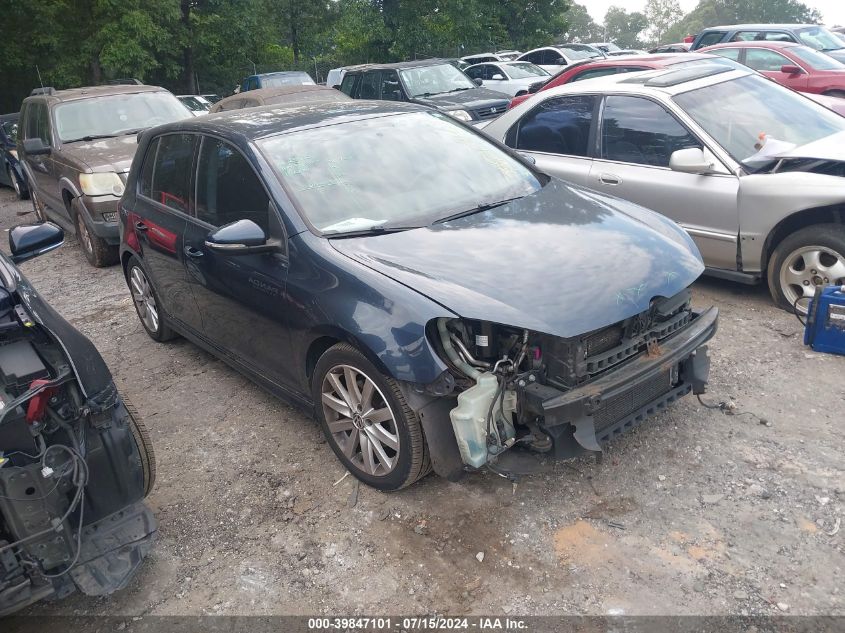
{"points": [[661, 15], [582, 27], [624, 28]]}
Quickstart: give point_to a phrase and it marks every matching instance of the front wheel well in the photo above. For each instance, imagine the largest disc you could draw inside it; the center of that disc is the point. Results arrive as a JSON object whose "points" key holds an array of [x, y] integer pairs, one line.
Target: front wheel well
{"points": [[833, 214], [321, 344]]}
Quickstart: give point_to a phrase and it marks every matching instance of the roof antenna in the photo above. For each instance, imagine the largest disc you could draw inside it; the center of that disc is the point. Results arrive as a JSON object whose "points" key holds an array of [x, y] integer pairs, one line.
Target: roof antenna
{"points": [[39, 76]]}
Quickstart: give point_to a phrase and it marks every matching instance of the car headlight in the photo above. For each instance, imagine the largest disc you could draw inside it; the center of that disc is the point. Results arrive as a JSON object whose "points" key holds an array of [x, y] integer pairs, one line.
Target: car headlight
{"points": [[101, 184], [14, 153], [460, 115]]}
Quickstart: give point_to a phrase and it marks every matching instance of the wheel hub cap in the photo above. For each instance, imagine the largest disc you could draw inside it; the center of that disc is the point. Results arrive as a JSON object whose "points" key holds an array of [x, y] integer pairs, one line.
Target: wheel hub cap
{"points": [[145, 302], [807, 268]]}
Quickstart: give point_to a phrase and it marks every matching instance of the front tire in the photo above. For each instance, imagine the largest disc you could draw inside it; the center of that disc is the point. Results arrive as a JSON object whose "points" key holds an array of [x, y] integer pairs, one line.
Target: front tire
{"points": [[147, 304], [811, 257], [145, 446], [98, 252], [367, 422]]}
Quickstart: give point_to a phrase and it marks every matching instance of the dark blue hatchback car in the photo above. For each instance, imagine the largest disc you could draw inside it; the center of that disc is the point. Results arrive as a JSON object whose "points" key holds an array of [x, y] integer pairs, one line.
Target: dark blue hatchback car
{"points": [[435, 300]]}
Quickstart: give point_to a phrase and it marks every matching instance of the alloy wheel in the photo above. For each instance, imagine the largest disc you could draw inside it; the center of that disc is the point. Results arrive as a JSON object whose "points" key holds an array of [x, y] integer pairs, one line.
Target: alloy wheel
{"points": [[360, 420], [84, 235], [15, 184], [145, 303], [808, 267]]}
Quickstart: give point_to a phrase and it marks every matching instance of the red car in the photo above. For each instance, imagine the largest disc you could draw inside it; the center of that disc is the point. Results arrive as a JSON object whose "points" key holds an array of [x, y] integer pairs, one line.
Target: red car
{"points": [[588, 69], [792, 65]]}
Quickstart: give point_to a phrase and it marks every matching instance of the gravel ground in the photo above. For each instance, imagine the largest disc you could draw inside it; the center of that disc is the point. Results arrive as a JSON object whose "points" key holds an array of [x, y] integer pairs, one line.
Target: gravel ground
{"points": [[696, 512]]}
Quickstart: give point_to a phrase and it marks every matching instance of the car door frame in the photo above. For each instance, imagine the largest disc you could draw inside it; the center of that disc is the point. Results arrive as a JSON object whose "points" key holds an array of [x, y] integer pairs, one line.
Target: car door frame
{"points": [[731, 170], [805, 73]]}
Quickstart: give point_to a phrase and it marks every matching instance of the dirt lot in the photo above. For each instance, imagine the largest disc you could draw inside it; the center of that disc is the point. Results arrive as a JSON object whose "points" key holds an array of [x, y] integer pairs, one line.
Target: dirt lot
{"points": [[696, 512]]}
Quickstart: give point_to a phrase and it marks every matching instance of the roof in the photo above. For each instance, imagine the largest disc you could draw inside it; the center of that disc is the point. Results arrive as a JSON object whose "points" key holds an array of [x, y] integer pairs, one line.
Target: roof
{"points": [[12, 116], [88, 92], [417, 63], [753, 44], [760, 27], [261, 94], [250, 124], [656, 60], [280, 72]]}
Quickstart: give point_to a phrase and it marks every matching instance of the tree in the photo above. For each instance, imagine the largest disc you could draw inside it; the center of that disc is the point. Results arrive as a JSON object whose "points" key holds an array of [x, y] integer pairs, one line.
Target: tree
{"points": [[623, 28], [662, 15], [582, 27]]}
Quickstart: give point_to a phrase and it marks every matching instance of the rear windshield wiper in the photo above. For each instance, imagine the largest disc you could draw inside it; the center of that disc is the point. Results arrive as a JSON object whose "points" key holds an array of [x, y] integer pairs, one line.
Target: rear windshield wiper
{"points": [[481, 207]]}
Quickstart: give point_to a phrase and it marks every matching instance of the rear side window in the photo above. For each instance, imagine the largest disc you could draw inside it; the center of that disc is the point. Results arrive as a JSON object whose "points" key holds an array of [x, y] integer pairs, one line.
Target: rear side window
{"points": [[595, 72], [145, 180], [171, 172], [729, 53], [558, 126], [369, 86], [38, 122], [228, 189], [535, 58], [636, 130], [390, 87], [708, 39]]}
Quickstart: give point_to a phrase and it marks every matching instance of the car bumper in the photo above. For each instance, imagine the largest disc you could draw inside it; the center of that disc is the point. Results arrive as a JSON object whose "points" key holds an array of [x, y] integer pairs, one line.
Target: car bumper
{"points": [[102, 215], [588, 416]]}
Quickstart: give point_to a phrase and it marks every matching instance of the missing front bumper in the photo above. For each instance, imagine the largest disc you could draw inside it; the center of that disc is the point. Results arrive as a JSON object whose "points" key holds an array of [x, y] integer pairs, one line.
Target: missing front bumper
{"points": [[586, 417]]}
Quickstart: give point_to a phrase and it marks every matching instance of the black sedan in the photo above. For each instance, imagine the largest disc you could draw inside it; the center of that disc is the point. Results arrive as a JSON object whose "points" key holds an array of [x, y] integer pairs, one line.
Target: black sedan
{"points": [[433, 298], [11, 173]]}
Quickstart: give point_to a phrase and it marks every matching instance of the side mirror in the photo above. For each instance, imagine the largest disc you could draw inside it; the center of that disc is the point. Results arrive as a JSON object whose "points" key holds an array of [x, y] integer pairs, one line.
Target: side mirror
{"points": [[498, 77], [477, 82], [690, 161], [243, 237], [35, 146], [791, 69], [31, 240]]}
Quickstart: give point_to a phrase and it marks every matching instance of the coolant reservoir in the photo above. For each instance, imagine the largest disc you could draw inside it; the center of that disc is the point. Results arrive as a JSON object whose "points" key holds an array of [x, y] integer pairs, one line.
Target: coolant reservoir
{"points": [[469, 420]]}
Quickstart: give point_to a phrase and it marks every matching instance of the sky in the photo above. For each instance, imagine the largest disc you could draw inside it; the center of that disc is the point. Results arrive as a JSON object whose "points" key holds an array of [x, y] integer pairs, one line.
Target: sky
{"points": [[833, 11]]}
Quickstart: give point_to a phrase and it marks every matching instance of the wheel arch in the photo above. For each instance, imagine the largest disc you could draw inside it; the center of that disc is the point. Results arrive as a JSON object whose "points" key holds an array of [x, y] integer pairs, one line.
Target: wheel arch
{"points": [[325, 338], [830, 214]]}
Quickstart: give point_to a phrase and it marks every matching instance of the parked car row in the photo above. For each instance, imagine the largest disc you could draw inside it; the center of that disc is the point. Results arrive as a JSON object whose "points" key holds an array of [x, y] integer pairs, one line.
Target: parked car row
{"points": [[404, 257]]}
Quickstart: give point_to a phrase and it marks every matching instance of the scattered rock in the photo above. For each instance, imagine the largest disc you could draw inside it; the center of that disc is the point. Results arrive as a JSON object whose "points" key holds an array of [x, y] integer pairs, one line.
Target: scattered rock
{"points": [[711, 499], [480, 557], [822, 501], [740, 595], [661, 477], [783, 606]]}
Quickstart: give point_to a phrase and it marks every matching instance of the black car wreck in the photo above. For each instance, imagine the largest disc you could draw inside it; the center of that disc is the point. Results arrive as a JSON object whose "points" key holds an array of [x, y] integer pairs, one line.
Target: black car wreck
{"points": [[75, 460], [429, 294]]}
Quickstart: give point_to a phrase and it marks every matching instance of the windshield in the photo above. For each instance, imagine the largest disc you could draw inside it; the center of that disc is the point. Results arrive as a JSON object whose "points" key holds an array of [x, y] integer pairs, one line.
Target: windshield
{"points": [[819, 38], [524, 70], [286, 79], [575, 52], [393, 171], [431, 80], [817, 60], [194, 104], [116, 114], [10, 128], [736, 113]]}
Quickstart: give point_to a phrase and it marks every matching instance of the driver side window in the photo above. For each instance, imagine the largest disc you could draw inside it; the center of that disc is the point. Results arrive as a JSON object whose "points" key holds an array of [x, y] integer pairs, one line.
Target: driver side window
{"points": [[228, 188], [639, 131]]}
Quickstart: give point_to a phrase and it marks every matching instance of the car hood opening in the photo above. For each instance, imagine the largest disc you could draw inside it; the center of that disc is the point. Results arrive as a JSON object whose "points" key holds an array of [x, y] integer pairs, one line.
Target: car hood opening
{"points": [[563, 261]]}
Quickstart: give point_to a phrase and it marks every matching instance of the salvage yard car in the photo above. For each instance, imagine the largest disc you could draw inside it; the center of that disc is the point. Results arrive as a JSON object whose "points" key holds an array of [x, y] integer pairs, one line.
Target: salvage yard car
{"points": [[75, 459], [430, 295], [11, 174], [753, 171], [76, 146], [432, 82], [287, 95]]}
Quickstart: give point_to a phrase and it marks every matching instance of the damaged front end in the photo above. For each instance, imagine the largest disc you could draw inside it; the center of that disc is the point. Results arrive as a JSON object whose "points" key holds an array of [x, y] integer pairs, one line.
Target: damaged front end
{"points": [[563, 396], [75, 463]]}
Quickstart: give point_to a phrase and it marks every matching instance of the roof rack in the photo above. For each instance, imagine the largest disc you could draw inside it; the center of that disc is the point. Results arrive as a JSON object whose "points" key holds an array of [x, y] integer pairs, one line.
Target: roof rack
{"points": [[48, 90], [679, 76]]}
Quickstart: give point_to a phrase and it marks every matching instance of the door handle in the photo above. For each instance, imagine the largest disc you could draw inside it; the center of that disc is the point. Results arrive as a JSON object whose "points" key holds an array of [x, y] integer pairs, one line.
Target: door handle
{"points": [[140, 226], [192, 252], [609, 179]]}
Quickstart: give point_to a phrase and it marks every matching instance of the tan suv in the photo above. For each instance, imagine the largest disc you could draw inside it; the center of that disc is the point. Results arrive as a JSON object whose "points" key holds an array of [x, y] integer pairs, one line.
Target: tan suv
{"points": [[76, 147]]}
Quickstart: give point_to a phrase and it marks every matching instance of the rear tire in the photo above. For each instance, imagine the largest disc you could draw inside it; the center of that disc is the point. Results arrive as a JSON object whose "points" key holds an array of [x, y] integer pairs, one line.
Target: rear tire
{"points": [[839, 94], [813, 256], [387, 451], [145, 297], [20, 191], [97, 251], [145, 446]]}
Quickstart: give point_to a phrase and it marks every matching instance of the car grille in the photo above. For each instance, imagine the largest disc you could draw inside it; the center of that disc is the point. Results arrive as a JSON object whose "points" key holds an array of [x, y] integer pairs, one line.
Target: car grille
{"points": [[603, 340], [493, 111], [627, 402]]}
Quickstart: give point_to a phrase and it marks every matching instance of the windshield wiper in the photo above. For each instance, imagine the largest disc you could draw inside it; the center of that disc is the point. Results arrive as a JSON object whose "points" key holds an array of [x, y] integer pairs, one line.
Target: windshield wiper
{"points": [[481, 207], [90, 137], [459, 89], [372, 230]]}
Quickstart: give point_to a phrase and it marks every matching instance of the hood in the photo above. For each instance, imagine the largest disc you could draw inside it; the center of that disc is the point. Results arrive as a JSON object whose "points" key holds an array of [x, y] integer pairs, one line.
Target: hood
{"points": [[105, 154], [473, 99], [838, 54], [563, 261], [828, 148]]}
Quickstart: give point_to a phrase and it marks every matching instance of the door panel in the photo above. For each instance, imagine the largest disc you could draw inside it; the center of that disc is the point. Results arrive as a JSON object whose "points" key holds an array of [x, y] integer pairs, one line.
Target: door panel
{"points": [[241, 298], [157, 216], [638, 137]]}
